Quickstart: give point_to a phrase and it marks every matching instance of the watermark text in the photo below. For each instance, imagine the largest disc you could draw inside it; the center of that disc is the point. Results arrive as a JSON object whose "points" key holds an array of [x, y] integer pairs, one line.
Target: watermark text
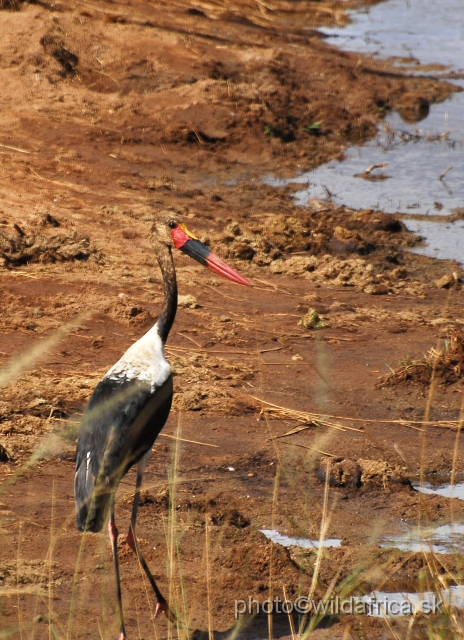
{"points": [[386, 605]]}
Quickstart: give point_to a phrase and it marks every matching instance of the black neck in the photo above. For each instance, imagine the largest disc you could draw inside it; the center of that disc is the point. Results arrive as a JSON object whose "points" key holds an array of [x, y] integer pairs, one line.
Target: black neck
{"points": [[168, 311]]}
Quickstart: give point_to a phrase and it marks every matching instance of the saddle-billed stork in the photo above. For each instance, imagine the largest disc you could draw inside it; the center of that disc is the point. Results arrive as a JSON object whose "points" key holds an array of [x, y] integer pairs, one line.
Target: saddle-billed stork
{"points": [[131, 404]]}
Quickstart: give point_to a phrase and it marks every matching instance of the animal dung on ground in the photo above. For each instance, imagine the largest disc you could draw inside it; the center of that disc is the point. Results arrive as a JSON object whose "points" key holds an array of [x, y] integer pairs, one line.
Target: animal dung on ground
{"points": [[28, 248], [341, 472], [187, 300], [380, 473], [311, 320]]}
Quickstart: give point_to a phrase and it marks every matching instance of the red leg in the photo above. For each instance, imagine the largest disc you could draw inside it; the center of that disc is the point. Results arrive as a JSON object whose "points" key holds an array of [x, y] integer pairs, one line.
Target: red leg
{"points": [[131, 539], [161, 604]]}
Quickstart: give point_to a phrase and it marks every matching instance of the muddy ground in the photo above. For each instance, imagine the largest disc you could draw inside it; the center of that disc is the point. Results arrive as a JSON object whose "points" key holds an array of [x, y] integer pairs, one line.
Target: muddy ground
{"points": [[112, 112]]}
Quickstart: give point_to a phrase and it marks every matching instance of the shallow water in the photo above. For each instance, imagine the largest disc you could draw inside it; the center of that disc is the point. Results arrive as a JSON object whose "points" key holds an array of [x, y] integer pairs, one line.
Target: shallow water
{"points": [[417, 153], [406, 28], [303, 543], [444, 489], [448, 538]]}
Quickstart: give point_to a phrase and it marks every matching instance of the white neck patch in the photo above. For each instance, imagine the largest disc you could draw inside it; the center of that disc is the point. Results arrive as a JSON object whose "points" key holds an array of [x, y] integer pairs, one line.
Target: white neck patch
{"points": [[144, 360]]}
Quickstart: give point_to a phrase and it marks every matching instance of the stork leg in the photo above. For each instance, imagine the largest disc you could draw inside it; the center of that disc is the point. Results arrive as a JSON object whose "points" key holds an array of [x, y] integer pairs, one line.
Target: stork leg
{"points": [[161, 604], [112, 529]]}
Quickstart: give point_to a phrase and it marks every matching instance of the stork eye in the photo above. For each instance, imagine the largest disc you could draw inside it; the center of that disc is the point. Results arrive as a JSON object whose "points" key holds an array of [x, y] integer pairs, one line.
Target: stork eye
{"points": [[172, 225]]}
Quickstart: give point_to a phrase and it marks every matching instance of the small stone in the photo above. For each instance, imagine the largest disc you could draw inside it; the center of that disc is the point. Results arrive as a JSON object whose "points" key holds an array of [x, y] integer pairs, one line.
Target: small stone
{"points": [[376, 289]]}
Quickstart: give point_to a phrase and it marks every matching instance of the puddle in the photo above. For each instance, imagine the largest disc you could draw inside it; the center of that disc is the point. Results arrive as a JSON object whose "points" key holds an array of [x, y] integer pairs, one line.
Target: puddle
{"points": [[417, 154], [405, 28], [303, 543], [448, 538], [381, 604], [443, 241], [444, 489]]}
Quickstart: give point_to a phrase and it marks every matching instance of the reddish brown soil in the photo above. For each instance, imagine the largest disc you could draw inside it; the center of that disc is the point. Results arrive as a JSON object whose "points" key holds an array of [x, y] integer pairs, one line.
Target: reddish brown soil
{"points": [[112, 112]]}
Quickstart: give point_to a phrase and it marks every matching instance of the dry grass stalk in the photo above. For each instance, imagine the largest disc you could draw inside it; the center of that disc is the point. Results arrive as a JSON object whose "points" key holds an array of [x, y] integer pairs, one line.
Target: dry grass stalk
{"points": [[309, 419], [447, 365], [241, 353], [205, 444], [320, 419], [7, 146], [303, 446], [325, 521]]}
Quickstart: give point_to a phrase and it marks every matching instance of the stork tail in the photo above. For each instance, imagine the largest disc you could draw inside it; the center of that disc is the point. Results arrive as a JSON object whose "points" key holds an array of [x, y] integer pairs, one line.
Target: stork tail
{"points": [[92, 506]]}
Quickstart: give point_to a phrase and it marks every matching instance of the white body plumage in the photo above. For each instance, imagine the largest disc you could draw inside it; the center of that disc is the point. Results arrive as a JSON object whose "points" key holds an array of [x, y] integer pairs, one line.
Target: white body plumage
{"points": [[143, 360]]}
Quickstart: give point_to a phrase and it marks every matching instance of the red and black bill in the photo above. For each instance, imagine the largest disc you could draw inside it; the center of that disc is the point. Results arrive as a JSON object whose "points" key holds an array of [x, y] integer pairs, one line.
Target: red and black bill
{"points": [[191, 246]]}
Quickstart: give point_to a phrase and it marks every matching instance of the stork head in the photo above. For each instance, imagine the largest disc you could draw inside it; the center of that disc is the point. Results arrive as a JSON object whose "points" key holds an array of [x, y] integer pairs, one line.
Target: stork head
{"points": [[170, 230]]}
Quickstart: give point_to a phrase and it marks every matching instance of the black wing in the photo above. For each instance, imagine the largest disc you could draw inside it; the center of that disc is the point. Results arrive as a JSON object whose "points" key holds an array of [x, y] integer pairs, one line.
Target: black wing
{"points": [[119, 425]]}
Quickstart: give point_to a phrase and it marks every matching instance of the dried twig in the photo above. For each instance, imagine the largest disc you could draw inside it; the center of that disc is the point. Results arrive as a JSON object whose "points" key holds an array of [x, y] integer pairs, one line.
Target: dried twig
{"points": [[205, 444], [199, 138], [442, 175], [281, 364], [6, 146], [241, 353], [108, 76], [309, 419], [223, 295], [324, 419], [191, 339], [276, 289], [304, 446], [377, 165], [23, 274]]}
